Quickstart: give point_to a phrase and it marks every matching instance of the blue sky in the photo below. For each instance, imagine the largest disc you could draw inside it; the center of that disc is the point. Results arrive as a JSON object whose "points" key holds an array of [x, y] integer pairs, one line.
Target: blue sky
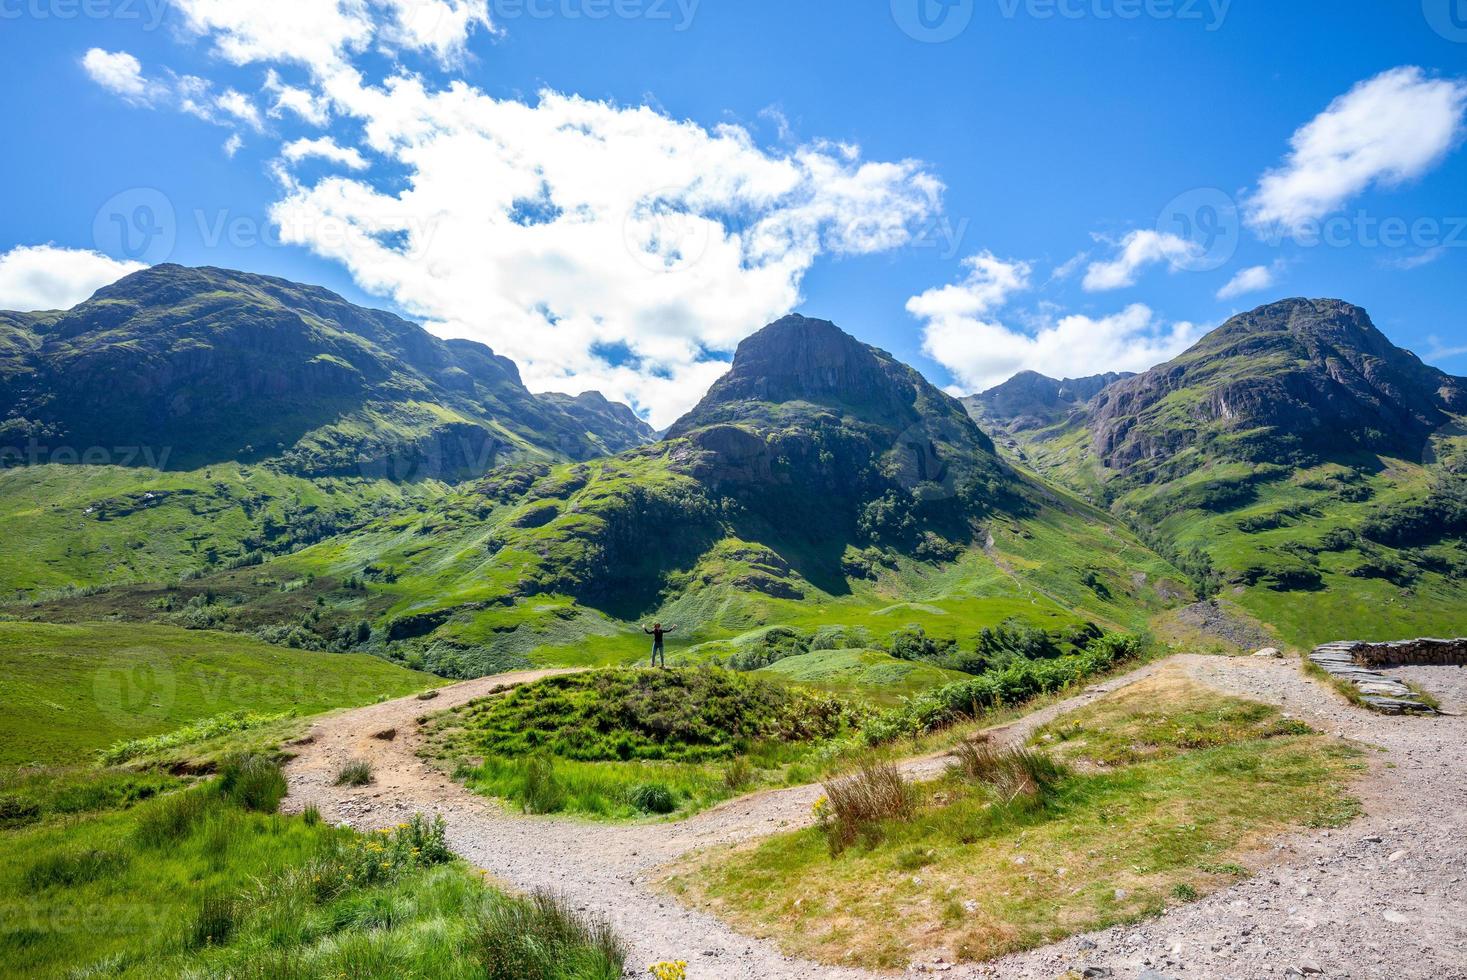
{"points": [[614, 199]]}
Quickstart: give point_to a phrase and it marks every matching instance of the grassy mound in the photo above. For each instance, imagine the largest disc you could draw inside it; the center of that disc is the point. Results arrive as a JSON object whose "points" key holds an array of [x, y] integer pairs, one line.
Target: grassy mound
{"points": [[670, 715], [1171, 787]]}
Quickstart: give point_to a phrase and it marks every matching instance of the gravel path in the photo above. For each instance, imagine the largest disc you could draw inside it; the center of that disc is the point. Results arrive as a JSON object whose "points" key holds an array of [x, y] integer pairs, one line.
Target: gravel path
{"points": [[1334, 901]]}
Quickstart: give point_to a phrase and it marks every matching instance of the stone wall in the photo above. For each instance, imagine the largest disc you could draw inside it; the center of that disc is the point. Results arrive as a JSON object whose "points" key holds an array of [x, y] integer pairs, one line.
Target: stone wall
{"points": [[1445, 652]]}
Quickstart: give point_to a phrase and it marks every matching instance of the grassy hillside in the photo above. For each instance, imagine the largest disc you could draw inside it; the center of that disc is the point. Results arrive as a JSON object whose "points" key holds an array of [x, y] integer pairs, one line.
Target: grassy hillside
{"points": [[71, 691], [77, 526]]}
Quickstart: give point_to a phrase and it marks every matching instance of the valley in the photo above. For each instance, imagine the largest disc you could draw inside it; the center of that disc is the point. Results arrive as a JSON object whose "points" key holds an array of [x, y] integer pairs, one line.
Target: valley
{"points": [[363, 579]]}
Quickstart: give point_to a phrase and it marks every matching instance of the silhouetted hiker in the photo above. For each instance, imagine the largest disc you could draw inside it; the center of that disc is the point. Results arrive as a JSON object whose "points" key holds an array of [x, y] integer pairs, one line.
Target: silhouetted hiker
{"points": [[658, 631]]}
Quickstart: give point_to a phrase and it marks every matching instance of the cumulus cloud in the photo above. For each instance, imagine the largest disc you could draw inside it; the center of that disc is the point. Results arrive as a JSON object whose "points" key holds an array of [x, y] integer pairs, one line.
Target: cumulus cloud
{"points": [[324, 33], [325, 148], [1135, 252], [1387, 130], [121, 74], [988, 286], [300, 102], [1251, 280], [564, 230], [44, 277], [982, 353]]}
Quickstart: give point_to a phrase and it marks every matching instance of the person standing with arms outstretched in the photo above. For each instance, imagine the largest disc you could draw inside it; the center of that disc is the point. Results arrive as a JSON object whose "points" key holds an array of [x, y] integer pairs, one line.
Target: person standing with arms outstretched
{"points": [[657, 632]]}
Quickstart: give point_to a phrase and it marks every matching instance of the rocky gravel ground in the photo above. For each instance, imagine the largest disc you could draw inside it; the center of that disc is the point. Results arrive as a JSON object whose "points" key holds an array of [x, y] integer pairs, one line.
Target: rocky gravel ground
{"points": [[1381, 898]]}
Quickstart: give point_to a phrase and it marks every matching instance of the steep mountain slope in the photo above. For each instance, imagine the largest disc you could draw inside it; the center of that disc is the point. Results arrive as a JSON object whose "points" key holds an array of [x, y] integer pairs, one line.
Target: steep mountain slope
{"points": [[1029, 400], [182, 419], [209, 365], [821, 486], [1295, 458]]}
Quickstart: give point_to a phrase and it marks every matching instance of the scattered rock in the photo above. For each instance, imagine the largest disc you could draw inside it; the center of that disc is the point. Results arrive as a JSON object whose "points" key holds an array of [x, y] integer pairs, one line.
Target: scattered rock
{"points": [[1270, 653]]}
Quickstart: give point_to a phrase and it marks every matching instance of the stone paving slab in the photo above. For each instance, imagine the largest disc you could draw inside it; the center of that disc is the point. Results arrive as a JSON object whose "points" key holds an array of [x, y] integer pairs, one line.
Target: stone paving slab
{"points": [[1350, 662]]}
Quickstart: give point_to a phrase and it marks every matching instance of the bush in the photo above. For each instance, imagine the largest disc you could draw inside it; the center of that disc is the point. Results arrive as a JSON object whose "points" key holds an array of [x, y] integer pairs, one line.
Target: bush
{"points": [[653, 798], [1011, 773], [542, 938], [357, 772], [253, 782], [1018, 681], [856, 805], [738, 774], [543, 792]]}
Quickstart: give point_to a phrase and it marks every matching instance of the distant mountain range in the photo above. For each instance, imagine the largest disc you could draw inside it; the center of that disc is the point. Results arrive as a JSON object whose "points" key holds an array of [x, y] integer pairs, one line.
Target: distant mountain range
{"points": [[342, 479], [1293, 456], [207, 365]]}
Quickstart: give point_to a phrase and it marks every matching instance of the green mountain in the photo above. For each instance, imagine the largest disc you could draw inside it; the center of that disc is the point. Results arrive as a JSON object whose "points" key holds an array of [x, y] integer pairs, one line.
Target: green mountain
{"points": [[822, 495], [1294, 459], [188, 418], [200, 366]]}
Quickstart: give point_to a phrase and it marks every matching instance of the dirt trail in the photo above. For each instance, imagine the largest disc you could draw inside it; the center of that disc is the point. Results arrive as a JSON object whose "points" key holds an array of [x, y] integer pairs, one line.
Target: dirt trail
{"points": [[1334, 900]]}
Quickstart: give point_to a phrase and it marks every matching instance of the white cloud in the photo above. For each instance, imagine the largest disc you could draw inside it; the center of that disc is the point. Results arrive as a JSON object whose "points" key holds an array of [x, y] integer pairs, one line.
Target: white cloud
{"points": [[233, 145], [302, 102], [558, 230], [321, 34], [238, 105], [44, 277], [120, 73], [1251, 280], [983, 353], [1387, 130], [988, 286], [1135, 252], [325, 148]]}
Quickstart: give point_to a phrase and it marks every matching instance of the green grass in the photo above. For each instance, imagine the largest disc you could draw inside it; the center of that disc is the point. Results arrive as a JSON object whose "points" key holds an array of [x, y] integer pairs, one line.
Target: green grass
{"points": [[209, 881], [973, 873], [628, 744], [72, 691], [874, 673]]}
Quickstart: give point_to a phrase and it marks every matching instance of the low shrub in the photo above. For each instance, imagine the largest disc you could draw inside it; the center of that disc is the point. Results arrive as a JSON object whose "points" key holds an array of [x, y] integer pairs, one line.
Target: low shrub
{"points": [[357, 772], [857, 804], [738, 774], [543, 792], [17, 810], [1013, 774], [253, 782], [653, 798], [542, 938]]}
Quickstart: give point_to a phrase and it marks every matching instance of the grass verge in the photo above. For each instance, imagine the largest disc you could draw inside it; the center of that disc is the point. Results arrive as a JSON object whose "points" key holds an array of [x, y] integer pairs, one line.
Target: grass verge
{"points": [[1110, 835]]}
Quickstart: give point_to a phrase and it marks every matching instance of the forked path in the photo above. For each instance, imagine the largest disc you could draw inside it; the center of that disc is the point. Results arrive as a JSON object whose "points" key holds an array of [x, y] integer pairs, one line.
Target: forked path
{"points": [[1381, 898]]}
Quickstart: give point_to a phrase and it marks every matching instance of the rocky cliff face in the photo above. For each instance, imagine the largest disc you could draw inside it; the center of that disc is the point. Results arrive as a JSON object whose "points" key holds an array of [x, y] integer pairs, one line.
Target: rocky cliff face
{"points": [[1030, 400], [1291, 380], [216, 365]]}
